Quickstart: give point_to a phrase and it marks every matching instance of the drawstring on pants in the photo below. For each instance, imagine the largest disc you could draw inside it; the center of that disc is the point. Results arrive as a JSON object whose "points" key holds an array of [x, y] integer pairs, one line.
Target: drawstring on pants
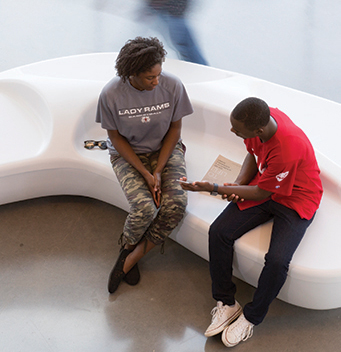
{"points": [[121, 243]]}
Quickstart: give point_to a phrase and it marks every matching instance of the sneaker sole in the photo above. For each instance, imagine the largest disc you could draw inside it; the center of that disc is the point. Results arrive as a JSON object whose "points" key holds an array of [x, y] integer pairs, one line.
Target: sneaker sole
{"points": [[220, 328], [227, 343]]}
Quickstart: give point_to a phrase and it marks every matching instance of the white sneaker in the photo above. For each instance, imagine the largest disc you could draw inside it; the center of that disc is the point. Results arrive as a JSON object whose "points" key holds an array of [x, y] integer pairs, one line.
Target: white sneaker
{"points": [[222, 315], [240, 330]]}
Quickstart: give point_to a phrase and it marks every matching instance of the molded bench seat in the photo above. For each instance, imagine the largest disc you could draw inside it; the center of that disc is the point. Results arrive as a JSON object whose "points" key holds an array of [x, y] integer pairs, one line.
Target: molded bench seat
{"points": [[48, 110]]}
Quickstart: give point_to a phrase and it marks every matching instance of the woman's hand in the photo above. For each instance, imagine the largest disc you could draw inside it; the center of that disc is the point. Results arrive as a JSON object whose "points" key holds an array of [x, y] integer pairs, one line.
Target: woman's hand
{"points": [[157, 189], [125, 150], [154, 185]]}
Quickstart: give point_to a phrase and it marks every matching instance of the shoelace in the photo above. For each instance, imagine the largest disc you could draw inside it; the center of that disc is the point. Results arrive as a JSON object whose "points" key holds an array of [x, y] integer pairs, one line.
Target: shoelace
{"points": [[244, 331], [217, 311], [248, 332]]}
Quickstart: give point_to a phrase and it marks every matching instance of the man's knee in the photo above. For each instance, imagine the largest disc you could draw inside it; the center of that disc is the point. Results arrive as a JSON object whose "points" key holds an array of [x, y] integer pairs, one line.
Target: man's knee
{"points": [[277, 263], [218, 234]]}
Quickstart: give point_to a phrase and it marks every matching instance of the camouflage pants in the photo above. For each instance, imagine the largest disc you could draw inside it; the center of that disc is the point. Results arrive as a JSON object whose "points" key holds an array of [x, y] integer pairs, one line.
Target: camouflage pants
{"points": [[143, 218]]}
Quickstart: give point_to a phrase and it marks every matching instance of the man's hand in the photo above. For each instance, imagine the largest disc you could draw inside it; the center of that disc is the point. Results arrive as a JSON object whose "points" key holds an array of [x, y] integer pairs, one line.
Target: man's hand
{"points": [[196, 186], [232, 197]]}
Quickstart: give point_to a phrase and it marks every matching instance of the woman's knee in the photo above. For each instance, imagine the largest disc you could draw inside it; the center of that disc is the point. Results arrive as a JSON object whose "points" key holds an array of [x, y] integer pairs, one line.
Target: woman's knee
{"points": [[142, 214], [171, 214], [137, 222], [174, 204]]}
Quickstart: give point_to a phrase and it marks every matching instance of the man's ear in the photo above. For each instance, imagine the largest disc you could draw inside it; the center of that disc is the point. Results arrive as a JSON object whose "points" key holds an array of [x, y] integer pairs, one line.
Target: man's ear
{"points": [[259, 131]]}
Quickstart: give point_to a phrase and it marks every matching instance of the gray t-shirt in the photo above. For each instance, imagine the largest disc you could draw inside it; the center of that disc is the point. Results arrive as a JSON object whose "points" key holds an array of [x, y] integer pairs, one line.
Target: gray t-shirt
{"points": [[142, 117]]}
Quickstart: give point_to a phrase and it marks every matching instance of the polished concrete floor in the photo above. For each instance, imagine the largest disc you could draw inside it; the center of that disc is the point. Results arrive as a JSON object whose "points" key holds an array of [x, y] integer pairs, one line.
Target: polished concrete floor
{"points": [[55, 257]]}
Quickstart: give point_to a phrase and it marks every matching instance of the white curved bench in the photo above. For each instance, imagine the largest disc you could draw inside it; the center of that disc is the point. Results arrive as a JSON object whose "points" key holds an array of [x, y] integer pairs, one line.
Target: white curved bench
{"points": [[48, 110]]}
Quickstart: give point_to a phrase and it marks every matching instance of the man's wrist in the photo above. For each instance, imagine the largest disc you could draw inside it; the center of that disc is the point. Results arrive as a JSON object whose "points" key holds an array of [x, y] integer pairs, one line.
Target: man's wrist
{"points": [[214, 191]]}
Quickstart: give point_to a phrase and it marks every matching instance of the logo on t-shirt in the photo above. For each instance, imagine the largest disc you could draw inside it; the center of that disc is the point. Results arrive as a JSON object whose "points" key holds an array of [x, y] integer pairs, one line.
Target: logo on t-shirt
{"points": [[145, 119], [144, 110], [261, 169], [280, 177]]}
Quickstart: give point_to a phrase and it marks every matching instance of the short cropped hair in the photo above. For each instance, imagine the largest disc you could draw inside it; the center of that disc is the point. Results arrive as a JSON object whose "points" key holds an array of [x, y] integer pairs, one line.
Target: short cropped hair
{"points": [[253, 112], [139, 55]]}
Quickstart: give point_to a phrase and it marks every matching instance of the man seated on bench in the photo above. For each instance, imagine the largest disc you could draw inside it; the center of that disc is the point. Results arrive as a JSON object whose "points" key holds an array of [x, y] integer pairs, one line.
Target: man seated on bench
{"points": [[279, 180]]}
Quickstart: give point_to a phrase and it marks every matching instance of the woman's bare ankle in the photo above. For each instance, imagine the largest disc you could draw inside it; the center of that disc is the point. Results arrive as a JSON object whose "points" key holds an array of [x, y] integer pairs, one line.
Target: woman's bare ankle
{"points": [[130, 247], [128, 264]]}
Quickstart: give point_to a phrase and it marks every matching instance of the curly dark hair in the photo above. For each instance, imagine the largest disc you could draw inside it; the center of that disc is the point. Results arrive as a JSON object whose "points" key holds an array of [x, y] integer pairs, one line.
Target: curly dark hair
{"points": [[139, 55], [253, 112]]}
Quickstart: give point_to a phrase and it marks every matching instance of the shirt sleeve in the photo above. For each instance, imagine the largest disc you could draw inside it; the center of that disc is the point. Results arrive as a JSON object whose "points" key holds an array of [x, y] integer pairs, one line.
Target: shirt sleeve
{"points": [[104, 114], [279, 178]]}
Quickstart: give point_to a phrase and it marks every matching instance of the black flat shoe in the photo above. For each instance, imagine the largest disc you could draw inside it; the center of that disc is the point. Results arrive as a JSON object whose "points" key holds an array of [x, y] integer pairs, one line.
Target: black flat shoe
{"points": [[133, 276], [117, 273]]}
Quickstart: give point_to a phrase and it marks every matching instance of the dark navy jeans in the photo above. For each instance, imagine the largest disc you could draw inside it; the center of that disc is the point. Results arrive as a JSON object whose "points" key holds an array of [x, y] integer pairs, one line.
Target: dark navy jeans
{"points": [[287, 233]]}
